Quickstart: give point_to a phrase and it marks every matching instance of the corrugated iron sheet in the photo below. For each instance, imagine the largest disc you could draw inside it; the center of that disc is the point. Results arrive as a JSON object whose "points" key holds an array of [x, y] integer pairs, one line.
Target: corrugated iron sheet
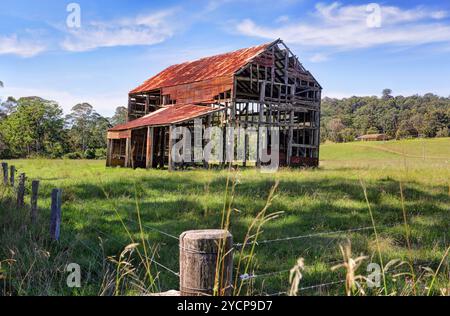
{"points": [[202, 69], [167, 116], [199, 92]]}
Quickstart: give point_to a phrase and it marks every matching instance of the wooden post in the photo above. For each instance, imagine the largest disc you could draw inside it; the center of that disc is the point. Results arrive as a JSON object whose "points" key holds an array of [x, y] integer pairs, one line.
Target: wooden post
{"points": [[246, 141], [170, 147], [162, 149], [206, 141], [55, 217], [12, 175], [259, 144], [199, 253], [290, 137], [128, 152], [149, 152], [21, 190], [5, 173], [262, 98], [34, 199]]}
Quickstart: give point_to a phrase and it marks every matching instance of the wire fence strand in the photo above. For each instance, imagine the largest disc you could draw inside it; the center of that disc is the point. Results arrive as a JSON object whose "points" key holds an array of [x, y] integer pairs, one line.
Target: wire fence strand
{"points": [[151, 259], [155, 229], [311, 287], [282, 239]]}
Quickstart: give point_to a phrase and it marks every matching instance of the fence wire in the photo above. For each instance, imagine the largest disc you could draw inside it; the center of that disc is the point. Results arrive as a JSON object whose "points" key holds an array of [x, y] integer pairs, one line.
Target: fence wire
{"points": [[154, 229], [311, 287], [150, 259], [337, 232]]}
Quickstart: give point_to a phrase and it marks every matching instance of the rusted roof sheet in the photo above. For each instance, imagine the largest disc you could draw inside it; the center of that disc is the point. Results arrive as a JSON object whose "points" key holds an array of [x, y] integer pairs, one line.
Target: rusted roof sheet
{"points": [[167, 116], [203, 69]]}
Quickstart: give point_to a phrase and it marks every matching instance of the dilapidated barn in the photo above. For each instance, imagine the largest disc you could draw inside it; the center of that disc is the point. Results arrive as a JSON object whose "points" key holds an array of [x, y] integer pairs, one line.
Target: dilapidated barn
{"points": [[263, 86]]}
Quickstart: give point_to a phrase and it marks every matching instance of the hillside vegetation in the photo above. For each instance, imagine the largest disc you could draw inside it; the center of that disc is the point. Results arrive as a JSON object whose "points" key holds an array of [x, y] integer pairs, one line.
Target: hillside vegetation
{"points": [[399, 117]]}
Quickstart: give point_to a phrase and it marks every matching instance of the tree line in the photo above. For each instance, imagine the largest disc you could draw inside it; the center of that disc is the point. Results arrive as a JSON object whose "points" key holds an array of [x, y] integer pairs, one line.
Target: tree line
{"points": [[35, 127], [396, 116]]}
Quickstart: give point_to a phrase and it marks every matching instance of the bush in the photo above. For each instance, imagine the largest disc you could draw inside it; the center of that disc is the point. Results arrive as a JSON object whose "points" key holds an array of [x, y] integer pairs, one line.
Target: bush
{"points": [[89, 154], [74, 155], [347, 135], [443, 132], [100, 153]]}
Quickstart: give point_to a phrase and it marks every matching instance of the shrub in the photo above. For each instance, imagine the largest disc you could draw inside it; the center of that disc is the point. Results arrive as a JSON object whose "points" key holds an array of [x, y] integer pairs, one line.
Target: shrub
{"points": [[100, 153], [74, 155], [89, 154], [443, 132]]}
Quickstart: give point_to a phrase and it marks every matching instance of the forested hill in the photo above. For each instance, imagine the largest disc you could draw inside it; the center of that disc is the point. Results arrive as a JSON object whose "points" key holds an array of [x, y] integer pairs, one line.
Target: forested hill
{"points": [[396, 116]]}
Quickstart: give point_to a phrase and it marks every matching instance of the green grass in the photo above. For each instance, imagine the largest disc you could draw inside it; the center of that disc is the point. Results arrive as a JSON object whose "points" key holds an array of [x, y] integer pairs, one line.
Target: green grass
{"points": [[326, 199]]}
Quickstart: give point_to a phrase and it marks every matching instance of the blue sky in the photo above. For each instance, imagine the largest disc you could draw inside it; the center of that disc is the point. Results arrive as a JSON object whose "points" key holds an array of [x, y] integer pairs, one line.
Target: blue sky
{"points": [[352, 48]]}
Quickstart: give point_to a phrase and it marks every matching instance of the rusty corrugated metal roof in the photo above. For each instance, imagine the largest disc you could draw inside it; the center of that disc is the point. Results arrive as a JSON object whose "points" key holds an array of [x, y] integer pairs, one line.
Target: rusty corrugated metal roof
{"points": [[206, 68], [167, 116]]}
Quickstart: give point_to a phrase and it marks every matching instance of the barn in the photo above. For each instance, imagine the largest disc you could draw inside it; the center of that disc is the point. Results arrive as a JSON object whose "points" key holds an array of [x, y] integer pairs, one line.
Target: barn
{"points": [[373, 138], [258, 88]]}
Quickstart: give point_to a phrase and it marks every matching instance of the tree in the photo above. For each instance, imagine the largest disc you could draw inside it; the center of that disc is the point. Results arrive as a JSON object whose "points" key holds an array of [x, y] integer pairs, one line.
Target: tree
{"points": [[120, 116], [397, 116], [87, 128], [334, 127], [8, 107], [80, 121], [1, 84], [387, 94], [35, 127]]}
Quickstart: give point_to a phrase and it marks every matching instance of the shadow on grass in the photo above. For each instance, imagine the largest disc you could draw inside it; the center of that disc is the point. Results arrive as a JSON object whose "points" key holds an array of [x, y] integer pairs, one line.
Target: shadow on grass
{"points": [[176, 203]]}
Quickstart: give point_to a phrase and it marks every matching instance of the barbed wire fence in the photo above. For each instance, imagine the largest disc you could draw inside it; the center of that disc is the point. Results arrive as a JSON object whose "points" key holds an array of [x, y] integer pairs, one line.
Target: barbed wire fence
{"points": [[56, 207], [264, 275]]}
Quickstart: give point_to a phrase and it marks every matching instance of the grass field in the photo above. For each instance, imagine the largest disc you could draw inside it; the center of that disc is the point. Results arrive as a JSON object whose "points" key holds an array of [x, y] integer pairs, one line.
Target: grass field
{"points": [[327, 199]]}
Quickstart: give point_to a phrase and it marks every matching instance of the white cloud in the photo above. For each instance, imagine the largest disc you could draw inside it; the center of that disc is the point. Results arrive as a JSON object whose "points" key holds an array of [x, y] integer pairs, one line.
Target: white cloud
{"points": [[345, 27], [336, 13], [215, 4], [141, 30], [103, 104], [13, 45], [282, 19], [318, 58]]}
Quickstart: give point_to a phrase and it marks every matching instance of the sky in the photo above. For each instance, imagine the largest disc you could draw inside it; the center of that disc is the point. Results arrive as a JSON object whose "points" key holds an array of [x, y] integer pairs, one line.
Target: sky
{"points": [[96, 51]]}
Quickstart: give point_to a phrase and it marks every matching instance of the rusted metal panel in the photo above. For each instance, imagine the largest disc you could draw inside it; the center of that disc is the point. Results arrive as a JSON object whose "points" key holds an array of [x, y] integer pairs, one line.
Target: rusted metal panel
{"points": [[167, 116], [199, 91], [119, 134], [223, 65]]}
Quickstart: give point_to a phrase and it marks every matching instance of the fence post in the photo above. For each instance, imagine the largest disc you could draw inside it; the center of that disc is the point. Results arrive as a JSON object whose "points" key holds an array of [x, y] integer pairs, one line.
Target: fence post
{"points": [[21, 190], [199, 252], [12, 175], [34, 199], [5, 173], [55, 217]]}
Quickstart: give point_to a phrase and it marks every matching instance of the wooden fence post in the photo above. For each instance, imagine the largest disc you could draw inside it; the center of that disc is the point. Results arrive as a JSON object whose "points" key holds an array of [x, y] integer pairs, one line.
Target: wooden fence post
{"points": [[199, 252], [5, 173], [34, 200], [12, 175], [55, 217], [21, 191]]}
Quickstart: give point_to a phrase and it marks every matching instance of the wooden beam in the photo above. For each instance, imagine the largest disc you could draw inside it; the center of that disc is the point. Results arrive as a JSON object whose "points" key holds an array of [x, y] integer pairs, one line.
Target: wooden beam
{"points": [[149, 147], [162, 148], [207, 139], [290, 139], [128, 152], [171, 166]]}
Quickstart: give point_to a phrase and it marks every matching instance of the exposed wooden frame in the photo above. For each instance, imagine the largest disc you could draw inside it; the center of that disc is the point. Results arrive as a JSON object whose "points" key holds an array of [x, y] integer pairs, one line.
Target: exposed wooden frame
{"points": [[272, 90]]}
